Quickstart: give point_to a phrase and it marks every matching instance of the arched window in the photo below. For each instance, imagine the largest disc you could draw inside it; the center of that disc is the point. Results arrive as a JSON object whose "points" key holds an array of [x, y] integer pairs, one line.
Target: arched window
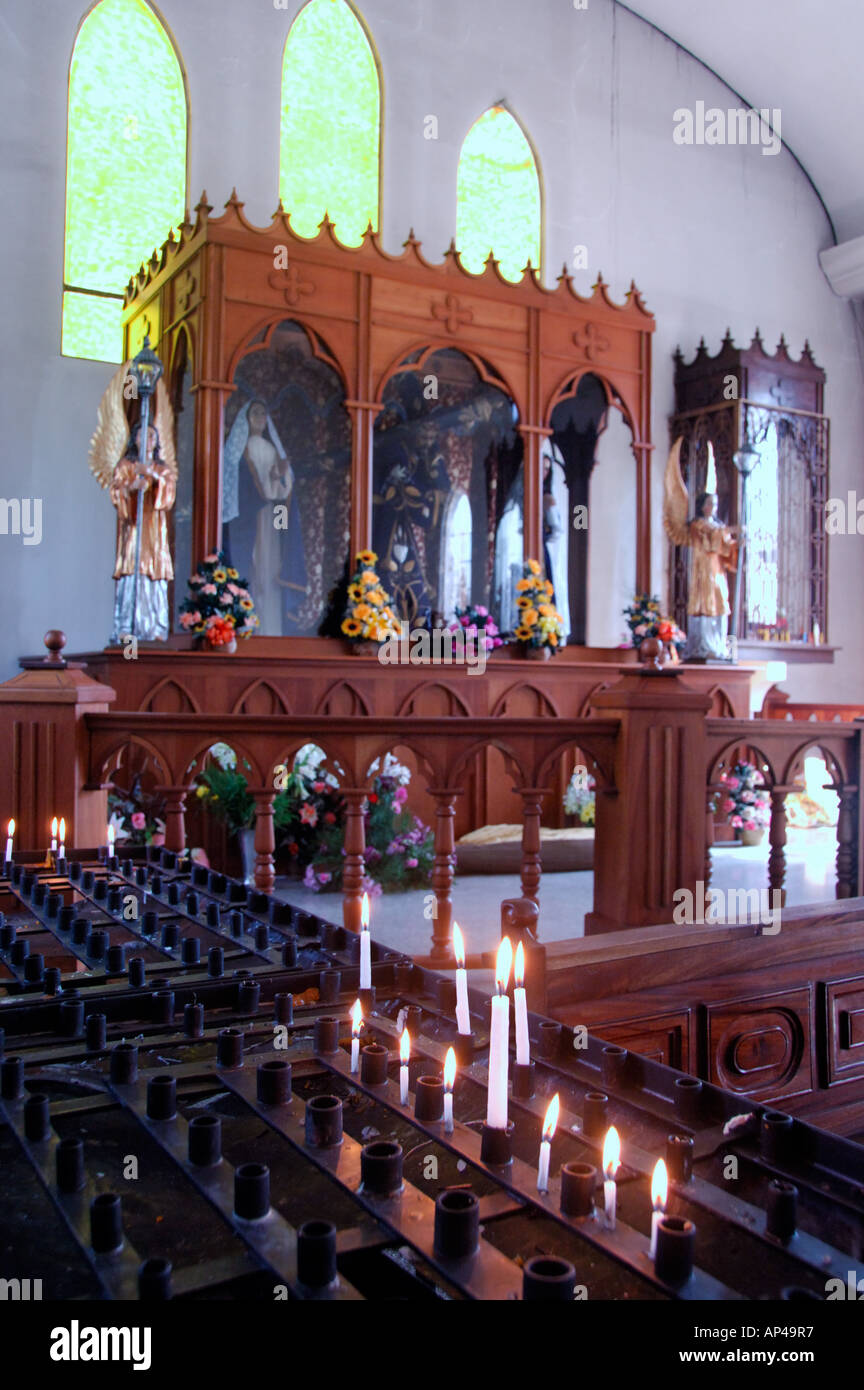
{"points": [[498, 196], [456, 552], [125, 166], [331, 120]]}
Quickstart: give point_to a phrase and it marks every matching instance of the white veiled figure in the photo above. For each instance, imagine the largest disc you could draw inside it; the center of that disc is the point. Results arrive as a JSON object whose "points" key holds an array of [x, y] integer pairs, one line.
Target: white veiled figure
{"points": [[508, 559], [273, 478], [557, 534]]}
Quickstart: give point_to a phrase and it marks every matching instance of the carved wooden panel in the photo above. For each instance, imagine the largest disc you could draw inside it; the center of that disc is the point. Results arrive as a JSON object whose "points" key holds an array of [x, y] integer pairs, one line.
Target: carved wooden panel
{"points": [[527, 701], [845, 1009], [434, 699], [169, 697], [343, 699], [761, 1048], [262, 698], [665, 1038]]}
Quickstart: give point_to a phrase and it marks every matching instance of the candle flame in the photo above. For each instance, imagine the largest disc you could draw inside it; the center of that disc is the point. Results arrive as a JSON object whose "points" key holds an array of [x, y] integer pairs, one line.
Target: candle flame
{"points": [[503, 964], [62, 829], [450, 1070], [405, 1046], [356, 1019], [54, 828], [364, 913], [11, 828], [659, 1186], [519, 966], [458, 945], [550, 1122], [611, 1152]]}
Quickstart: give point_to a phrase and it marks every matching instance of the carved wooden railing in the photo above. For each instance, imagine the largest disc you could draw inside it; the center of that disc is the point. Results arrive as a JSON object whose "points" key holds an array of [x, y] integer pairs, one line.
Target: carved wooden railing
{"points": [[779, 745], [777, 705]]}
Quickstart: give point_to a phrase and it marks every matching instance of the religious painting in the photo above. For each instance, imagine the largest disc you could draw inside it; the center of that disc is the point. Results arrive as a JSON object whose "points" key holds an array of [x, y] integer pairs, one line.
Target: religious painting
{"points": [[447, 460], [286, 480]]}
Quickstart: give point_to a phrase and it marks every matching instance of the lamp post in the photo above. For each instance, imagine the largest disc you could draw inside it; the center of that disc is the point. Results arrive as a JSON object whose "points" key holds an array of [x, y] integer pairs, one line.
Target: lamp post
{"points": [[145, 369], [745, 460]]}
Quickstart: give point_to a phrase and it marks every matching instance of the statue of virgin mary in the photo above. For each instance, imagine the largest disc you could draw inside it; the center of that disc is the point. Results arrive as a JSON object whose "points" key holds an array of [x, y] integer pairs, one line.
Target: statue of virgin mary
{"points": [[263, 537]]}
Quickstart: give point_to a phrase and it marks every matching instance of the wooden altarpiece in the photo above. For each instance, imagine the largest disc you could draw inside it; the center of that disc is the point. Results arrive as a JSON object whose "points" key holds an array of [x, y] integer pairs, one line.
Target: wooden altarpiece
{"points": [[223, 282]]}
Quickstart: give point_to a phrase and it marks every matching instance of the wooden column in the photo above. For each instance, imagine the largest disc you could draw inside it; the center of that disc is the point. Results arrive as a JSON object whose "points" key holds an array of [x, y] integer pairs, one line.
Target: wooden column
{"points": [[354, 867], [442, 872], [265, 840], [777, 841], [847, 835], [532, 859], [175, 817], [532, 504], [711, 791]]}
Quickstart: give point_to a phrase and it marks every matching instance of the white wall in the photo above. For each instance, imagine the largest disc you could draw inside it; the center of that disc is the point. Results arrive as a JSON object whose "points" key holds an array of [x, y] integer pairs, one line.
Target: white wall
{"points": [[712, 235]]}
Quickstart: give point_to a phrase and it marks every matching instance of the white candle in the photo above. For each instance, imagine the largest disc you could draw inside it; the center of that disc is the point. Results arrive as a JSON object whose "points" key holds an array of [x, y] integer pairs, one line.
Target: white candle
{"points": [[550, 1124], [499, 1040], [449, 1083], [404, 1056], [611, 1162], [54, 835], [520, 1008], [365, 946], [659, 1191], [62, 838], [10, 835], [110, 841], [463, 1017], [356, 1025]]}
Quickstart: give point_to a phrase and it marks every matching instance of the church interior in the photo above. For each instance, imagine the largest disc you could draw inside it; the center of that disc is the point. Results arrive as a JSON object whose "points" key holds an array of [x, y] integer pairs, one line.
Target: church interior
{"points": [[431, 799]]}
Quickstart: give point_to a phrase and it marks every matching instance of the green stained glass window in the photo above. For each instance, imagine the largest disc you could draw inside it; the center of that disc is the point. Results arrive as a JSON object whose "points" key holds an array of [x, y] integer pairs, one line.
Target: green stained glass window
{"points": [[331, 117], [498, 196], [125, 167]]}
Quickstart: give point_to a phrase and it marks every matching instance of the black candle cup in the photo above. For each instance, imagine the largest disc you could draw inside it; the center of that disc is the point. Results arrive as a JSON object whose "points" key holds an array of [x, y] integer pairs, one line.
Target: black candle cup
{"points": [[19, 951], [37, 1118], [373, 1064], [149, 922], [367, 1000], [70, 1164], [52, 981], [106, 1223], [213, 915], [289, 953], [173, 894], [323, 1122], [204, 1138], [578, 1184], [403, 976], [283, 1008], [522, 1080], [673, 1259], [381, 1167], [496, 1145], [70, 1018], [237, 923], [229, 1047], [192, 903], [53, 904], [156, 884], [34, 969], [97, 943], [679, 1157], [28, 878], [688, 1097], [613, 1066], [137, 972], [39, 894], [193, 1020], [65, 917], [163, 1005], [546, 1279], [190, 950], [464, 1045], [74, 869], [316, 1254], [7, 935], [252, 1191], [154, 1280], [429, 1099], [330, 937], [141, 875], [248, 997], [115, 959], [115, 899], [127, 868], [124, 1064], [326, 1036], [215, 962], [274, 1083], [95, 1030], [170, 936], [594, 1114], [548, 1043], [262, 937], [457, 1224], [329, 983], [112, 863], [414, 1019], [162, 1097], [781, 1216], [446, 995], [12, 1078], [100, 890], [776, 1137]]}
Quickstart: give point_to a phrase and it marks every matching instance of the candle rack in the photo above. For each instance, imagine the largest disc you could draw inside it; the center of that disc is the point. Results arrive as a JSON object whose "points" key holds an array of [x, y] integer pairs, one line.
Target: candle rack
{"points": [[261, 1162]]}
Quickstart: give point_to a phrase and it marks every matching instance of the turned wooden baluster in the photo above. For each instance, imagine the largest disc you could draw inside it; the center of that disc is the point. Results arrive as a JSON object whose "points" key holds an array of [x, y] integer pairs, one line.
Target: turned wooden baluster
{"points": [[354, 867], [175, 817], [442, 872], [777, 841], [846, 837], [532, 859], [265, 841]]}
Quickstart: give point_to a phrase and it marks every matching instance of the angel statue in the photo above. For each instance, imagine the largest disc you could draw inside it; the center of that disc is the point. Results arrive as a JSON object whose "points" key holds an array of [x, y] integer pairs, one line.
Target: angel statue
{"points": [[114, 459], [713, 551]]}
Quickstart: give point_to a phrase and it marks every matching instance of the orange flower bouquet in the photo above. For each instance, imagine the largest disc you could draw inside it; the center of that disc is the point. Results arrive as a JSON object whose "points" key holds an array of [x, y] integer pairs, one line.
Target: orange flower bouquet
{"points": [[368, 615], [541, 627]]}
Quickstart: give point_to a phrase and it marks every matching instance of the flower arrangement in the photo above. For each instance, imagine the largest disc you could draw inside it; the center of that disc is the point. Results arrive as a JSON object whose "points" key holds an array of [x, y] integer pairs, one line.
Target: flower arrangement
{"points": [[224, 790], [368, 615], [540, 623], [475, 618], [745, 805], [219, 607], [644, 619], [136, 815], [580, 796]]}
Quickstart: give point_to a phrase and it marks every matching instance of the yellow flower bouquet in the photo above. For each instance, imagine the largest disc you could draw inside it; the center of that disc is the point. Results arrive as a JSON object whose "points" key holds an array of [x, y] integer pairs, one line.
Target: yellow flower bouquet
{"points": [[540, 623], [368, 615]]}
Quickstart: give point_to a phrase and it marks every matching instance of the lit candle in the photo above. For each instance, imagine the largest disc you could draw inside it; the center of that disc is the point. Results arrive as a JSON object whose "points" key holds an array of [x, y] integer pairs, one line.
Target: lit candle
{"points": [[463, 1017], [550, 1124], [449, 1083], [10, 835], [404, 1058], [611, 1163], [365, 946], [659, 1191], [520, 1008], [54, 836], [111, 833], [356, 1025], [62, 837], [499, 1040]]}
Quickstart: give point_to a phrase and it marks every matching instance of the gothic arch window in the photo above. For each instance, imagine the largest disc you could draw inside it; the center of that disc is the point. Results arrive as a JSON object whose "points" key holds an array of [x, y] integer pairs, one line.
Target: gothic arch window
{"points": [[331, 123], [125, 166], [498, 196], [456, 551]]}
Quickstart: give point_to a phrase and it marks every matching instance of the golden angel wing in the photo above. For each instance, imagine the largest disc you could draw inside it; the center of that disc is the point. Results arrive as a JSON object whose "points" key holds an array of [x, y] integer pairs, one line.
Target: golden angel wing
{"points": [[112, 430], [164, 423], [675, 500]]}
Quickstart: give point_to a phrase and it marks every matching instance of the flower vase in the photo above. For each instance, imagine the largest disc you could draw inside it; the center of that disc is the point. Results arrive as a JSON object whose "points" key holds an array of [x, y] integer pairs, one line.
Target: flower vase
{"points": [[538, 653], [365, 647], [752, 837], [218, 649], [246, 839]]}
